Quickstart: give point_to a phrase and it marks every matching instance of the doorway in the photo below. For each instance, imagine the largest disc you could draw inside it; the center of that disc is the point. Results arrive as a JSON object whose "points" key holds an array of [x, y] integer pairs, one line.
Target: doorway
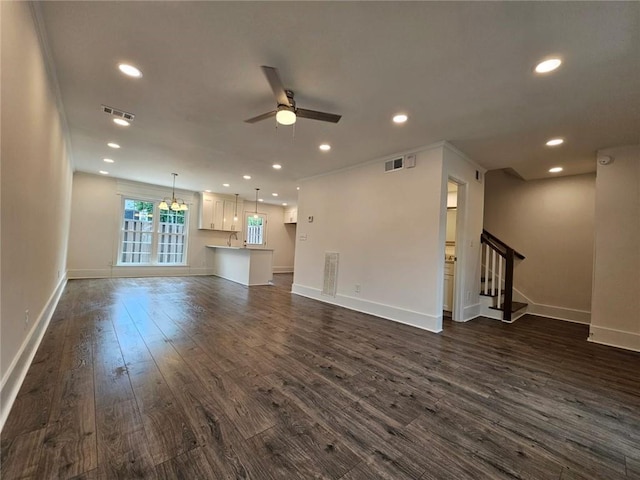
{"points": [[450, 258], [255, 235]]}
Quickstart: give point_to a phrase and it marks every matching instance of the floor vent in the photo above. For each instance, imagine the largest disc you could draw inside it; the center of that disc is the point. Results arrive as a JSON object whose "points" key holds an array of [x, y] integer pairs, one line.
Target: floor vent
{"points": [[118, 113], [330, 283], [393, 165]]}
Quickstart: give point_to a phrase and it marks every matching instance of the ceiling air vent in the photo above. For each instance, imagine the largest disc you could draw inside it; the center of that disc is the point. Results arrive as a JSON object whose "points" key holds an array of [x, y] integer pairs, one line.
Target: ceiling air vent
{"points": [[393, 165], [117, 113]]}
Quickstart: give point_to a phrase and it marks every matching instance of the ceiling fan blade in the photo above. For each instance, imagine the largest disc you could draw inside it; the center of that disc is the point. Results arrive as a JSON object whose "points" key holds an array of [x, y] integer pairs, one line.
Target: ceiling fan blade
{"points": [[273, 77], [264, 116], [314, 115]]}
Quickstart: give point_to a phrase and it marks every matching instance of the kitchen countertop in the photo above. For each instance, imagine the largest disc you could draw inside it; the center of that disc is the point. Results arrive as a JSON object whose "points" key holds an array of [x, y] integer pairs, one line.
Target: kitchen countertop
{"points": [[239, 248]]}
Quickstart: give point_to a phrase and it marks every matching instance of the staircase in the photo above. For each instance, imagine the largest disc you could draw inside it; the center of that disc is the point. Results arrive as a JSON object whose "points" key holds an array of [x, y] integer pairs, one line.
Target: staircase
{"points": [[496, 282]]}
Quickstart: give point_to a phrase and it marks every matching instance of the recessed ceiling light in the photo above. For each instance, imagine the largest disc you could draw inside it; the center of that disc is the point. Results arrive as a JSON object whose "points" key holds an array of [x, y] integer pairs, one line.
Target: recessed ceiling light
{"points": [[261, 200], [104, 172], [208, 191], [325, 147], [284, 204], [107, 160], [274, 194], [247, 177], [400, 118], [297, 188], [555, 169], [113, 145], [130, 70], [225, 185], [548, 65], [554, 142], [277, 166], [120, 121]]}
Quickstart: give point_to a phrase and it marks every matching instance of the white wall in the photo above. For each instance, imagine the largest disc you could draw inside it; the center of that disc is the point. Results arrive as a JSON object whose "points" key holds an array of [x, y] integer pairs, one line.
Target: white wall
{"points": [[616, 283], [95, 226], [389, 229], [35, 198], [551, 222]]}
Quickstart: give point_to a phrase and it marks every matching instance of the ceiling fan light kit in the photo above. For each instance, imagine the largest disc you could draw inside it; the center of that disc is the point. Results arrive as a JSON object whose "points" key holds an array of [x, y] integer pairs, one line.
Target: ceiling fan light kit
{"points": [[286, 115], [286, 112]]}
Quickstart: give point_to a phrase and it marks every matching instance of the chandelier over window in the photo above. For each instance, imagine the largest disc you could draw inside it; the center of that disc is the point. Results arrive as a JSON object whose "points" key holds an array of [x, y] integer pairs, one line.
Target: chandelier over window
{"points": [[173, 203]]}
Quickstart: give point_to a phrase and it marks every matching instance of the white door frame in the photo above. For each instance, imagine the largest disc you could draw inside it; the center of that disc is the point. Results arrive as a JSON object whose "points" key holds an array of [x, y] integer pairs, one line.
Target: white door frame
{"points": [[459, 272], [265, 220]]}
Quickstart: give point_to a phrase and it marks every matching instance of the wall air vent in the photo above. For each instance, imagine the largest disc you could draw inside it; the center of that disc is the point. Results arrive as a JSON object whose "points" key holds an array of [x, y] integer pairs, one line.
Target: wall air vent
{"points": [[118, 113], [330, 283], [393, 165]]}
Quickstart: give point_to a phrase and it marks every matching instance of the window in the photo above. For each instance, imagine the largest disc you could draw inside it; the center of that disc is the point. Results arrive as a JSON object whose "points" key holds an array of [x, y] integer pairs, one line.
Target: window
{"points": [[151, 236], [256, 232]]}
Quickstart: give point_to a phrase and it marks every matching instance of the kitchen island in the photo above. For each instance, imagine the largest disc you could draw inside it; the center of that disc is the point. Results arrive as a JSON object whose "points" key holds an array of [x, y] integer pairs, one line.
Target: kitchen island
{"points": [[247, 266]]}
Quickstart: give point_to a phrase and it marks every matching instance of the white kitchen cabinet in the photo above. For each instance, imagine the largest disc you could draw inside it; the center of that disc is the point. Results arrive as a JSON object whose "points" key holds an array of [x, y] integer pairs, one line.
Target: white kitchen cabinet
{"points": [[229, 220], [291, 215], [205, 219], [217, 212], [447, 303]]}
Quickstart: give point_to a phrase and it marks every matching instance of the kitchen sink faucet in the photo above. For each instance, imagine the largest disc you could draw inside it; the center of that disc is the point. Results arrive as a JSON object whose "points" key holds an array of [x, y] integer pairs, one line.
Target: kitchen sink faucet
{"points": [[231, 235]]}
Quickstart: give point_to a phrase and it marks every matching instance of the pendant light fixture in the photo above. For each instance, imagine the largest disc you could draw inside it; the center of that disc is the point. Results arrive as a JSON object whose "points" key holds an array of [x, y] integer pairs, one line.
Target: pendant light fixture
{"points": [[235, 211], [175, 204], [255, 215]]}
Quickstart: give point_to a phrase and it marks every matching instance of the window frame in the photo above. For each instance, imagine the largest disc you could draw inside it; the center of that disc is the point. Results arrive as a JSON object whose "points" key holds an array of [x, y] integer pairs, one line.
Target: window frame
{"points": [[155, 235], [265, 220]]}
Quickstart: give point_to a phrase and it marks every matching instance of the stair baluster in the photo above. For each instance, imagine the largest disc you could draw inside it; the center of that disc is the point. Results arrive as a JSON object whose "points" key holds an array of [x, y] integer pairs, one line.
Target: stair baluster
{"points": [[495, 267]]}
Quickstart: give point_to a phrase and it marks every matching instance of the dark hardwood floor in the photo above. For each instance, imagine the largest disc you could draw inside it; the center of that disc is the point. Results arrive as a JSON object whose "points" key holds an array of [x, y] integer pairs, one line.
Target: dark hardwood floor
{"points": [[200, 378]]}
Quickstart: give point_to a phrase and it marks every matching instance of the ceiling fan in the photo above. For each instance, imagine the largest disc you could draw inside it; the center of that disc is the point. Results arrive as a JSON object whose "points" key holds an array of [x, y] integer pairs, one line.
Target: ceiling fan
{"points": [[287, 112]]}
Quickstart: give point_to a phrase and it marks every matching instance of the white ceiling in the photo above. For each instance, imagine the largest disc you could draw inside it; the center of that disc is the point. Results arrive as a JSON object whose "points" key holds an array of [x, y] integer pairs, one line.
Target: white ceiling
{"points": [[463, 72]]}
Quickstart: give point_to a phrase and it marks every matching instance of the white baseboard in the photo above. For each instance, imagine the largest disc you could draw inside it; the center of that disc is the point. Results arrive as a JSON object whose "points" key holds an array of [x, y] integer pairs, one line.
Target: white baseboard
{"points": [[614, 338], [89, 273], [470, 312], [199, 271], [138, 272], [283, 269], [553, 311], [408, 317], [560, 313], [19, 367]]}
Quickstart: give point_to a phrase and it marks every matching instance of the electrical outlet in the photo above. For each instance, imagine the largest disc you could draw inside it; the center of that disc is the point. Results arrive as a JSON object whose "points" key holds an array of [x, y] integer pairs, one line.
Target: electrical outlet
{"points": [[26, 317], [357, 288]]}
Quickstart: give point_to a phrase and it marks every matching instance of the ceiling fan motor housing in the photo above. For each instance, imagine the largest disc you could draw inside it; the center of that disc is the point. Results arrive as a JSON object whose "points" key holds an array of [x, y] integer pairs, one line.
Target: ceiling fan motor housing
{"points": [[289, 94]]}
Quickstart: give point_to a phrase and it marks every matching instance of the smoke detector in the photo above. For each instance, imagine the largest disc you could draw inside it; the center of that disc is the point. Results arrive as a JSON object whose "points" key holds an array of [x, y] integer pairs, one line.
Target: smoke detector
{"points": [[604, 159]]}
